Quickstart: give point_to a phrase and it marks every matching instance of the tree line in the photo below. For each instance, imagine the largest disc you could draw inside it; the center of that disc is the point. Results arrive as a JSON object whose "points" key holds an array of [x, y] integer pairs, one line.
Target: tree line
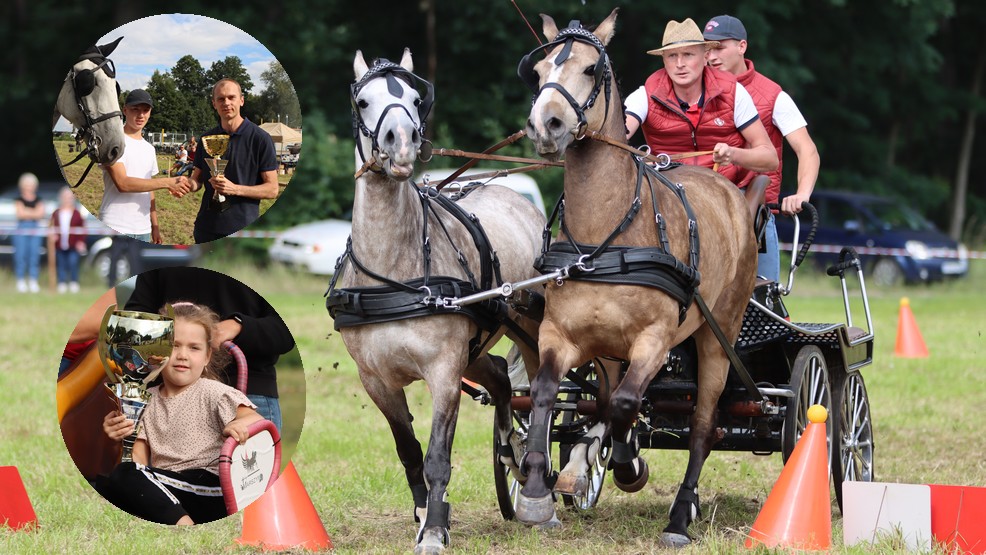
{"points": [[892, 91]]}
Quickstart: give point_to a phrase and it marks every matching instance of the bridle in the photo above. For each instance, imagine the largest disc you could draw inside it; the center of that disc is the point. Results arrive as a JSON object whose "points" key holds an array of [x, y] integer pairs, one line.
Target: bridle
{"points": [[392, 72], [602, 73], [83, 84]]}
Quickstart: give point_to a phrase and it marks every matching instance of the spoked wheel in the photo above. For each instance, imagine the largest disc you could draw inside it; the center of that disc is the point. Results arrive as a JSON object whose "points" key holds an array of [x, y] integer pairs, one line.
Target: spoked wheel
{"points": [[810, 383], [853, 439], [570, 419], [507, 486]]}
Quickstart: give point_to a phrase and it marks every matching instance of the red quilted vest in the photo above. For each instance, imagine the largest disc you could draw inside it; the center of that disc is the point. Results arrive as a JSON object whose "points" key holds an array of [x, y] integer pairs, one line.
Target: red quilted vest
{"points": [[668, 130], [764, 93]]}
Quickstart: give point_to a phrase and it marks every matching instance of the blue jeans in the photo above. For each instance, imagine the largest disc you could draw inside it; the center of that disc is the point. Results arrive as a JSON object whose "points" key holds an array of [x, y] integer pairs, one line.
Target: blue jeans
{"points": [[268, 407], [67, 262], [27, 250], [769, 263]]}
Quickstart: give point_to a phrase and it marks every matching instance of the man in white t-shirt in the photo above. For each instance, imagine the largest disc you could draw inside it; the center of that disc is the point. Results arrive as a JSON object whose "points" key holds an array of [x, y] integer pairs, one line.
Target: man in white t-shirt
{"points": [[689, 107], [128, 187], [780, 117]]}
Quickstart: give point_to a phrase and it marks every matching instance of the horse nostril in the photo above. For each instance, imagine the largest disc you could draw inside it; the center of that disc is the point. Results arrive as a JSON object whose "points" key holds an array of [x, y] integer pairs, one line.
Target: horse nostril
{"points": [[389, 138], [553, 123], [530, 124], [115, 153], [415, 138]]}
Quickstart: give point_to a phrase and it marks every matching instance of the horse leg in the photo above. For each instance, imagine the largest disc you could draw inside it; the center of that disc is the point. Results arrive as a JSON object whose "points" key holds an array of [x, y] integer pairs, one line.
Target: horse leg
{"points": [[393, 404], [490, 371], [433, 535], [713, 366], [535, 503], [630, 471], [574, 478]]}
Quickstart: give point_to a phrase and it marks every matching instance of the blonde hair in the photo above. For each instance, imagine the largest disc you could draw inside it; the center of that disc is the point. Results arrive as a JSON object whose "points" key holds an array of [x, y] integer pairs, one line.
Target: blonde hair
{"points": [[209, 320]]}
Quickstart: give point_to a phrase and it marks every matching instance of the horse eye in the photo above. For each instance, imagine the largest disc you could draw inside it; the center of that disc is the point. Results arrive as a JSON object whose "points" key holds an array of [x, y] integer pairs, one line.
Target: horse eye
{"points": [[591, 70], [417, 102], [362, 103]]}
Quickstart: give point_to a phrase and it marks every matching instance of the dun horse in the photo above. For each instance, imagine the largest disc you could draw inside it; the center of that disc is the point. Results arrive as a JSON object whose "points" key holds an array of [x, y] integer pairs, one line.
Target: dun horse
{"points": [[410, 249], [635, 316], [90, 100]]}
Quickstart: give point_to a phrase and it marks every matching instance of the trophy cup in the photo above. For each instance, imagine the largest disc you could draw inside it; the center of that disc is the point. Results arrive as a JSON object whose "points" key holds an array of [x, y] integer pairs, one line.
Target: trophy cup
{"points": [[215, 146], [134, 347]]}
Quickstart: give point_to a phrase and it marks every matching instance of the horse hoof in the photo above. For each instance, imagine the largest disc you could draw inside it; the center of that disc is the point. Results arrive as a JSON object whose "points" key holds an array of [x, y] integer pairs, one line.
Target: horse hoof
{"points": [[677, 541], [431, 544], [571, 484], [549, 524], [535, 511], [636, 484]]}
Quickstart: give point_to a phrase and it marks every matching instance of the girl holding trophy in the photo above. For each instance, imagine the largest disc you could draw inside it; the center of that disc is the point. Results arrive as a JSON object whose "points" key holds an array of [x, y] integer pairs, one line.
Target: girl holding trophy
{"points": [[174, 475]]}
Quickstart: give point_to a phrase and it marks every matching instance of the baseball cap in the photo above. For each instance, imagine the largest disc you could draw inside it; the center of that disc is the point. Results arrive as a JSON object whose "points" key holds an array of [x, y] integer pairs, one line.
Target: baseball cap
{"points": [[722, 27], [138, 96]]}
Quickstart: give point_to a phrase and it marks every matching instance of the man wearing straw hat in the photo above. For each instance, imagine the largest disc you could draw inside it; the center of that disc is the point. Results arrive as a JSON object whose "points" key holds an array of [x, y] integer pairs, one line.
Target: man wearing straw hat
{"points": [[690, 107], [781, 118]]}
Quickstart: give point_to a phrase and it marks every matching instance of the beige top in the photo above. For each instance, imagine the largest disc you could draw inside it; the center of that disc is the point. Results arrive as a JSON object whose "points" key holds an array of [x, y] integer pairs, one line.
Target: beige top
{"points": [[186, 431]]}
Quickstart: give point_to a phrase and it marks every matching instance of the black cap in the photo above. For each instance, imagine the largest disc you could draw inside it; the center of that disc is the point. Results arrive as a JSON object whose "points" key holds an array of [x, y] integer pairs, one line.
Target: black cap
{"points": [[722, 27], [139, 96]]}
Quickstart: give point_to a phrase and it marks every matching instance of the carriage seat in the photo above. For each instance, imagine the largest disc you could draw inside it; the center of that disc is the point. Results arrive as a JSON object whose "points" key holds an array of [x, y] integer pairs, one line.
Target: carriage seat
{"points": [[755, 194]]}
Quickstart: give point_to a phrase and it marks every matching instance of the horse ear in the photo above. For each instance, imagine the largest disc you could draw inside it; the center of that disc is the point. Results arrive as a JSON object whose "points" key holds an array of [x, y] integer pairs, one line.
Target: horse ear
{"points": [[604, 31], [108, 49], [406, 62], [359, 65], [550, 29]]}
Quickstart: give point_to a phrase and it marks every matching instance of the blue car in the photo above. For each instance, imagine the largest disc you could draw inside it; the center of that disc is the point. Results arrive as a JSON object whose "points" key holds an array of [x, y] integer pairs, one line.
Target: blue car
{"points": [[895, 243]]}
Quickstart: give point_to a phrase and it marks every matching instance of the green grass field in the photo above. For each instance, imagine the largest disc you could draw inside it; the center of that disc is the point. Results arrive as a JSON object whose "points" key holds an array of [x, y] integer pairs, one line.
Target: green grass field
{"points": [[176, 217], [926, 427]]}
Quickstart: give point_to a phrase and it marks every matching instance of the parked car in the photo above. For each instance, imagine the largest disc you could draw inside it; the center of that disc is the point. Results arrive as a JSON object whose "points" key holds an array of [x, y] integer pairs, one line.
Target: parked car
{"points": [[98, 238], [909, 247], [315, 246]]}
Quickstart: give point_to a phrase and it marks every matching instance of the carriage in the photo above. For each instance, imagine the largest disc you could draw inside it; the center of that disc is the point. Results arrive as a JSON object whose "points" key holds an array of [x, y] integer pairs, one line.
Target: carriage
{"points": [[791, 366]]}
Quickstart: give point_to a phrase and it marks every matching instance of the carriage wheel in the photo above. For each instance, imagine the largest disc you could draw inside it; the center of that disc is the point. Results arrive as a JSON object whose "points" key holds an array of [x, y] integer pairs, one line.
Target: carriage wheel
{"points": [[507, 486], [810, 383], [853, 439], [597, 470]]}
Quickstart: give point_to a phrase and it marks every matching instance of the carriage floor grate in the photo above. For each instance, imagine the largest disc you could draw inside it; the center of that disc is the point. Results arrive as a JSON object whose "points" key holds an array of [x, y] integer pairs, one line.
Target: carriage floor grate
{"points": [[759, 329], [822, 334]]}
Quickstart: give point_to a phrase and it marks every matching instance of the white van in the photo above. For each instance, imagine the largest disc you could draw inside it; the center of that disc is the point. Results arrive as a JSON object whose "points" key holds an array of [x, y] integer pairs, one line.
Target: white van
{"points": [[522, 183]]}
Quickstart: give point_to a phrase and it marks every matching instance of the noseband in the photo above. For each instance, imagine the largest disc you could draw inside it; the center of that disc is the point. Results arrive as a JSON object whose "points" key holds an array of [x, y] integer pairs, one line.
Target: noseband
{"points": [[601, 73], [83, 84], [392, 72]]}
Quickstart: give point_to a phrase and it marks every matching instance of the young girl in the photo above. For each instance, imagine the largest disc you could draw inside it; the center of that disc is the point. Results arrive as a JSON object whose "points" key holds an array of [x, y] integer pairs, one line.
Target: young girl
{"points": [[70, 244], [174, 478]]}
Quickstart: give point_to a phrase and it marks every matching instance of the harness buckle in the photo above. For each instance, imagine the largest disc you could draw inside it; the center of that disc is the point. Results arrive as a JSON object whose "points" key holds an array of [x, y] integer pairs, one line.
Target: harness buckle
{"points": [[663, 161], [581, 265]]}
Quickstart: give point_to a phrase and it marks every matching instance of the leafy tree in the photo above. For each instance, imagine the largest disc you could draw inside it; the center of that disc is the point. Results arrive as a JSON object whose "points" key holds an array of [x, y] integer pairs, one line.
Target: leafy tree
{"points": [[279, 99], [169, 106], [230, 67], [189, 76]]}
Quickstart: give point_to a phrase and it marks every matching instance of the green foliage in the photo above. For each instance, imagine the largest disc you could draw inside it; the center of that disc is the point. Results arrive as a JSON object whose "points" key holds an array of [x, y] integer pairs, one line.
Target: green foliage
{"points": [[169, 104], [230, 67], [278, 101]]}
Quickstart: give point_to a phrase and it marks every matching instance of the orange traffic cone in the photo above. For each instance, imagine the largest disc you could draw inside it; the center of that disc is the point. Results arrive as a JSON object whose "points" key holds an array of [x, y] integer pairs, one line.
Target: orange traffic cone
{"points": [[910, 344], [15, 507], [284, 518], [798, 511]]}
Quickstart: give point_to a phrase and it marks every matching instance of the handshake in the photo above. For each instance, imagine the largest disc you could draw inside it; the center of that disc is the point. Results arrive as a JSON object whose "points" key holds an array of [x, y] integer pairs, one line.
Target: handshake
{"points": [[179, 186]]}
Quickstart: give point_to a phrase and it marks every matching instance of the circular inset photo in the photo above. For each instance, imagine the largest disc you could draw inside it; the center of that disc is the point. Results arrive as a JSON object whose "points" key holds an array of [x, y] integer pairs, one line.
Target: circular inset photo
{"points": [[181, 395], [177, 129]]}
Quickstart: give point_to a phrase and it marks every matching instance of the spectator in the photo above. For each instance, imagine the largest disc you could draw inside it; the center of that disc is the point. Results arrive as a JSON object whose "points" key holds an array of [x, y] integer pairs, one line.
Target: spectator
{"points": [[781, 118], [29, 210], [690, 107], [70, 241], [245, 318], [181, 158], [190, 164], [174, 475]]}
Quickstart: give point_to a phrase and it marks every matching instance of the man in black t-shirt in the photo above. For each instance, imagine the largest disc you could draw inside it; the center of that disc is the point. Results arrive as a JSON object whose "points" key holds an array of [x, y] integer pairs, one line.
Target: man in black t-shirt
{"points": [[250, 175]]}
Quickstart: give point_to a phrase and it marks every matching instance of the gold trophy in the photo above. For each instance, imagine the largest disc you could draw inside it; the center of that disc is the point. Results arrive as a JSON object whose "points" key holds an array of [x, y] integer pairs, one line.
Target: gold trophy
{"points": [[134, 347], [216, 146]]}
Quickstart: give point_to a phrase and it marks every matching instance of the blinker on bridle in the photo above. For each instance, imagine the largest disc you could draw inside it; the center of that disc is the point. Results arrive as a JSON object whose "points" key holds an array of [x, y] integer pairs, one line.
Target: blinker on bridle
{"points": [[601, 72], [392, 73], [83, 84]]}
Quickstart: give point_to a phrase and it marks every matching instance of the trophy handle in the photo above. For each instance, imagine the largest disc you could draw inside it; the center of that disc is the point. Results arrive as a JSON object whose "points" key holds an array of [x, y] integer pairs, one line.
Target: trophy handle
{"points": [[102, 344]]}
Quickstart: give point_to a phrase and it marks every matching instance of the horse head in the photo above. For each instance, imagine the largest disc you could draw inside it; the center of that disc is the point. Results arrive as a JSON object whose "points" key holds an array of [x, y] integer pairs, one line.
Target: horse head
{"points": [[389, 114], [90, 100], [567, 83]]}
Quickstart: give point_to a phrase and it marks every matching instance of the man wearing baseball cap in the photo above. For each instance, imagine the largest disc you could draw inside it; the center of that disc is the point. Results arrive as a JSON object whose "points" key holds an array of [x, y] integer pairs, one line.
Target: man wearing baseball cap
{"points": [[781, 118], [128, 188], [690, 107]]}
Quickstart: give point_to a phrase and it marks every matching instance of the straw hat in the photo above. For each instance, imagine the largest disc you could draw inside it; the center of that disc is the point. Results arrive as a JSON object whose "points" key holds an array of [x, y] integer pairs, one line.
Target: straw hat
{"points": [[677, 35]]}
